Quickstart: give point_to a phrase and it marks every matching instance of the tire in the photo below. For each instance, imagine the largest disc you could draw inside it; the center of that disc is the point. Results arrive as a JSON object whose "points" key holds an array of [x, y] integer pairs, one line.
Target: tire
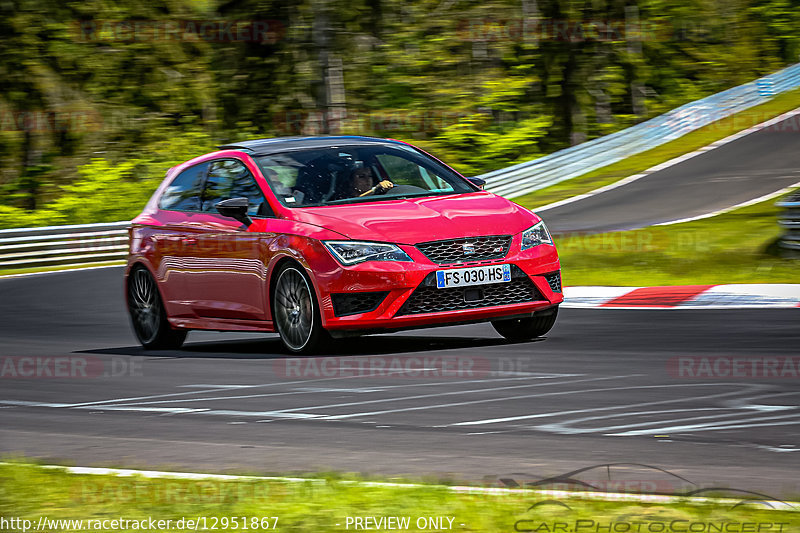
{"points": [[296, 313], [524, 329], [148, 317]]}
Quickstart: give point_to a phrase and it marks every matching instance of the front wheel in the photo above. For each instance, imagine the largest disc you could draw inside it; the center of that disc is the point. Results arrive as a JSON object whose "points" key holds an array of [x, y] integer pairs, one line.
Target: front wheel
{"points": [[147, 312], [524, 329], [296, 314]]}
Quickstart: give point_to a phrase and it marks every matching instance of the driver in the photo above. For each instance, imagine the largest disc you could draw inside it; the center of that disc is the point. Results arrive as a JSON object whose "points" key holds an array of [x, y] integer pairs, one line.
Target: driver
{"points": [[361, 181]]}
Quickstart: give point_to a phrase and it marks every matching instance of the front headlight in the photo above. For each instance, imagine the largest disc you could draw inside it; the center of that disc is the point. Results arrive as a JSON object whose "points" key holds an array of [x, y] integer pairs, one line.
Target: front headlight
{"points": [[353, 252], [536, 235]]}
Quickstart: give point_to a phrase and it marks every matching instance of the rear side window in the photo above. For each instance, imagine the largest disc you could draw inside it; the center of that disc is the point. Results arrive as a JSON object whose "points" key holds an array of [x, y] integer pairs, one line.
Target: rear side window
{"points": [[183, 194], [229, 178]]}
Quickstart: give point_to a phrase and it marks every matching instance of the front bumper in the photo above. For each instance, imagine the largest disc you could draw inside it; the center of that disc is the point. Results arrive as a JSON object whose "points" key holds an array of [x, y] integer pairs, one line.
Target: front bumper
{"points": [[397, 288]]}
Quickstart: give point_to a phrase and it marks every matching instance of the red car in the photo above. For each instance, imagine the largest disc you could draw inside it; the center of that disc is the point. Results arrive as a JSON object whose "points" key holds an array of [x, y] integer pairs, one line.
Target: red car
{"points": [[326, 237]]}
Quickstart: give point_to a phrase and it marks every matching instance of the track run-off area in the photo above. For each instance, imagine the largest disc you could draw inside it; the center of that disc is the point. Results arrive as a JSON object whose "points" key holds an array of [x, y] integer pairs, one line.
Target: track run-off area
{"points": [[709, 394]]}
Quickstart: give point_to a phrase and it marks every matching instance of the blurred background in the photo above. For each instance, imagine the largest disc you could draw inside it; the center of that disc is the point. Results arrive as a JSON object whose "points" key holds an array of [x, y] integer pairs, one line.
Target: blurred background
{"points": [[100, 98]]}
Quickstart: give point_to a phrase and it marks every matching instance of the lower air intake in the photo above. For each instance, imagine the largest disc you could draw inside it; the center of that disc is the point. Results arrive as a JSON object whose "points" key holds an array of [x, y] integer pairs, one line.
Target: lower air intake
{"points": [[554, 280], [353, 303]]}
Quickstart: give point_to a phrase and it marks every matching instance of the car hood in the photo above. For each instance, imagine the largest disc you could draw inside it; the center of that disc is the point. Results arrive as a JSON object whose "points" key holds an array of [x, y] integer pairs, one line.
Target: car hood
{"points": [[414, 220]]}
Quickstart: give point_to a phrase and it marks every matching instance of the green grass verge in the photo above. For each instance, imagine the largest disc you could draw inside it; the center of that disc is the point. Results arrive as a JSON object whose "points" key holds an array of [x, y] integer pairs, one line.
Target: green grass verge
{"points": [[734, 247], [30, 493], [17, 271], [645, 160]]}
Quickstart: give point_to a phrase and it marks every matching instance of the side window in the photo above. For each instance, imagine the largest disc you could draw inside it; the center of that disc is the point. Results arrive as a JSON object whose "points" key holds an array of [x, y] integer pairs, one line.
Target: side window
{"points": [[183, 194], [229, 178]]}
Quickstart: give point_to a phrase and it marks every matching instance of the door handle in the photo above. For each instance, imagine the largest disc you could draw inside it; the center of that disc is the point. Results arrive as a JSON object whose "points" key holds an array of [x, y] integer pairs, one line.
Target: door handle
{"points": [[189, 240]]}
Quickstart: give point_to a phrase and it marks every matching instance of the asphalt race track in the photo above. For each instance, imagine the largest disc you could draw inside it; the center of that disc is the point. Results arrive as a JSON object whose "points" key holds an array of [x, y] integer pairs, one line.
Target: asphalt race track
{"points": [[604, 386], [749, 167]]}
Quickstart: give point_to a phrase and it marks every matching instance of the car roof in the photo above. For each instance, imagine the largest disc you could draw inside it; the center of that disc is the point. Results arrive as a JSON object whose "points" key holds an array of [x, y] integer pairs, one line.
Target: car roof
{"points": [[280, 144]]}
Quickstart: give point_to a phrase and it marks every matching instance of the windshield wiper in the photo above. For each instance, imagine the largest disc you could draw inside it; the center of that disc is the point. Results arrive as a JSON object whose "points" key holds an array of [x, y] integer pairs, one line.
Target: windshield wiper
{"points": [[384, 197], [355, 199], [421, 195]]}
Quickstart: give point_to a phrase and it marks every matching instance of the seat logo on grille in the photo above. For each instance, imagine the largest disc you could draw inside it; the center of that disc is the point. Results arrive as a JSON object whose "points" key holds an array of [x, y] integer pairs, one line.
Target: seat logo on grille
{"points": [[469, 248]]}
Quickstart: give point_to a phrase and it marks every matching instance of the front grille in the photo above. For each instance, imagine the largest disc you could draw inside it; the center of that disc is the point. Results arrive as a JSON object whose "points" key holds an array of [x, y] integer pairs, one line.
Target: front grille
{"points": [[466, 250], [554, 280], [352, 303], [429, 299]]}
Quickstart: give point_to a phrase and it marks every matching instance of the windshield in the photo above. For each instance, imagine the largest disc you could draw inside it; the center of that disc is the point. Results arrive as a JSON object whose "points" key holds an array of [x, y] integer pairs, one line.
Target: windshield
{"points": [[353, 174]]}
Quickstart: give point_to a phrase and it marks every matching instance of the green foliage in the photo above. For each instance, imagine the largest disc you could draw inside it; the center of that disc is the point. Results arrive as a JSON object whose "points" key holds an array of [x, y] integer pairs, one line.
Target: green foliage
{"points": [[109, 191], [16, 217], [485, 145], [481, 84]]}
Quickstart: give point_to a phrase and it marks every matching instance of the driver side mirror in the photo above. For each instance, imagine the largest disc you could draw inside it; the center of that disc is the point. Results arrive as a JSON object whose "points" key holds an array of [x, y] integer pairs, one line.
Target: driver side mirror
{"points": [[235, 208], [478, 182]]}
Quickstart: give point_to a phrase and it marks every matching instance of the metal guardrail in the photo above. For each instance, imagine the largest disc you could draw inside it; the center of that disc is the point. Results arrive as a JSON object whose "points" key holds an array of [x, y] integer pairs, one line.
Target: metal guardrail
{"points": [[577, 160], [790, 222], [63, 245], [94, 243]]}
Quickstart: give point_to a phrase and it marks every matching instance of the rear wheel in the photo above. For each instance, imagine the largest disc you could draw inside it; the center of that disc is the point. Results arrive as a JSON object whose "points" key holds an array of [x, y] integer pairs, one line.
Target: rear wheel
{"points": [[296, 313], [147, 312], [523, 329]]}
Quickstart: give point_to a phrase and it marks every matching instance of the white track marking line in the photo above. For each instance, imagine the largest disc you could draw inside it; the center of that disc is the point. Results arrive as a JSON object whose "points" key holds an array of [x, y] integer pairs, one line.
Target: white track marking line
{"points": [[753, 417], [473, 402], [379, 388], [27, 274], [671, 162], [23, 403], [449, 393], [561, 427], [169, 410], [173, 394], [613, 407], [277, 383], [261, 414], [293, 412], [206, 385], [164, 395], [739, 405], [754, 201], [219, 398], [323, 390], [712, 427]]}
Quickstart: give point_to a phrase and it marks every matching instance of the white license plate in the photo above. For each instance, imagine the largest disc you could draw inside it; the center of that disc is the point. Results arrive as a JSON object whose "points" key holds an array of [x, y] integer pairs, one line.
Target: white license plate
{"points": [[464, 277]]}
